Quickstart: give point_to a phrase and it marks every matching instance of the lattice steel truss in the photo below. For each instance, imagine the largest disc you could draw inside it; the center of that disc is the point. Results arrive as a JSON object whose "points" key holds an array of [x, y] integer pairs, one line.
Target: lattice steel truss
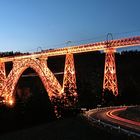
{"points": [[110, 78], [69, 80], [2, 75], [35, 61], [48, 79]]}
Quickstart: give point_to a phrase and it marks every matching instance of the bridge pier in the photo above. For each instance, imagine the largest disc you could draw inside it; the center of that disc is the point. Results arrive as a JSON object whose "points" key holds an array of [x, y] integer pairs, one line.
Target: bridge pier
{"points": [[110, 78], [69, 89]]}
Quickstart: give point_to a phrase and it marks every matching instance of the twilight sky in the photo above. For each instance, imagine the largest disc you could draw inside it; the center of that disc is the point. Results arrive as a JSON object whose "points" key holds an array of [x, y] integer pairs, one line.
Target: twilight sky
{"points": [[27, 25]]}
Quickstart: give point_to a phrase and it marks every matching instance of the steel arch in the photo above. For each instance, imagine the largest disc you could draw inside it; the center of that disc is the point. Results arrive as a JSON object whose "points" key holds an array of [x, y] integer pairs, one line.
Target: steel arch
{"points": [[48, 79]]}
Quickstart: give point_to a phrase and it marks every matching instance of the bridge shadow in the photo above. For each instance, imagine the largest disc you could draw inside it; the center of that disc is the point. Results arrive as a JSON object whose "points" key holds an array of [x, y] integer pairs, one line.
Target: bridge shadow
{"points": [[32, 106]]}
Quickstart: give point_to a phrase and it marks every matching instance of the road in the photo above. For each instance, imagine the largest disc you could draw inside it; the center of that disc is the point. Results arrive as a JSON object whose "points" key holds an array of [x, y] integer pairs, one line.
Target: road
{"points": [[73, 128], [109, 116]]}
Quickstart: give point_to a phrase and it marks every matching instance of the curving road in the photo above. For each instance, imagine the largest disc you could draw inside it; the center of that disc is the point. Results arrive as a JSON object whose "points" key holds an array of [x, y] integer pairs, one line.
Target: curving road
{"points": [[109, 116]]}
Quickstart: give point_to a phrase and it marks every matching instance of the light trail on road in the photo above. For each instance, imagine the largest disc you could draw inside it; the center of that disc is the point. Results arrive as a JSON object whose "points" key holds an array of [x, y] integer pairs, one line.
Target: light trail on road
{"points": [[111, 115], [108, 117]]}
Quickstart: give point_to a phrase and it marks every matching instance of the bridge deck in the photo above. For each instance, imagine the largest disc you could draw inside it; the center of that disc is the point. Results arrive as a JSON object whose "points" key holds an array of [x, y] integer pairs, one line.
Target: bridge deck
{"points": [[115, 44]]}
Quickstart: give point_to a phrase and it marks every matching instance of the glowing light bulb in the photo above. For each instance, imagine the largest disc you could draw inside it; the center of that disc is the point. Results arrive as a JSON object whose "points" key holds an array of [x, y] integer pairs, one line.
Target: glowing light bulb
{"points": [[75, 94], [11, 102], [72, 72]]}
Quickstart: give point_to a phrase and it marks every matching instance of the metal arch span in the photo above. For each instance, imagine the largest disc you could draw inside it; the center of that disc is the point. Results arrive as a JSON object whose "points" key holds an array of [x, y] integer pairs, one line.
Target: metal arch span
{"points": [[49, 81]]}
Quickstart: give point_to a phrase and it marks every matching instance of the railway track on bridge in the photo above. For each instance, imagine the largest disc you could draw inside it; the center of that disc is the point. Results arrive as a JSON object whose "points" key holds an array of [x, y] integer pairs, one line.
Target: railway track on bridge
{"points": [[97, 46]]}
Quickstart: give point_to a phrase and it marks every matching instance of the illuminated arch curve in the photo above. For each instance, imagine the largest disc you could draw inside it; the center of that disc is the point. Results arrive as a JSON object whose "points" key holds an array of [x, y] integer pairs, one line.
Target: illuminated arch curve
{"points": [[48, 79]]}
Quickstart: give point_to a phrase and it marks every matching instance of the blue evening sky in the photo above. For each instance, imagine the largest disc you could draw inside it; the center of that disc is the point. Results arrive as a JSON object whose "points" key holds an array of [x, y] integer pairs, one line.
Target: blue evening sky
{"points": [[27, 25]]}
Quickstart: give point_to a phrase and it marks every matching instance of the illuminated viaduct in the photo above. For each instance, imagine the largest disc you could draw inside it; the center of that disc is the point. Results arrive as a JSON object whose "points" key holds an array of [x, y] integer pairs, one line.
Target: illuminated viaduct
{"points": [[38, 62]]}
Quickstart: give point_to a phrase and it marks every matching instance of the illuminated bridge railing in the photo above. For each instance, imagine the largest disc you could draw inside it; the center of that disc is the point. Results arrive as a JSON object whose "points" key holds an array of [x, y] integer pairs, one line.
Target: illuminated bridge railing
{"points": [[115, 44]]}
